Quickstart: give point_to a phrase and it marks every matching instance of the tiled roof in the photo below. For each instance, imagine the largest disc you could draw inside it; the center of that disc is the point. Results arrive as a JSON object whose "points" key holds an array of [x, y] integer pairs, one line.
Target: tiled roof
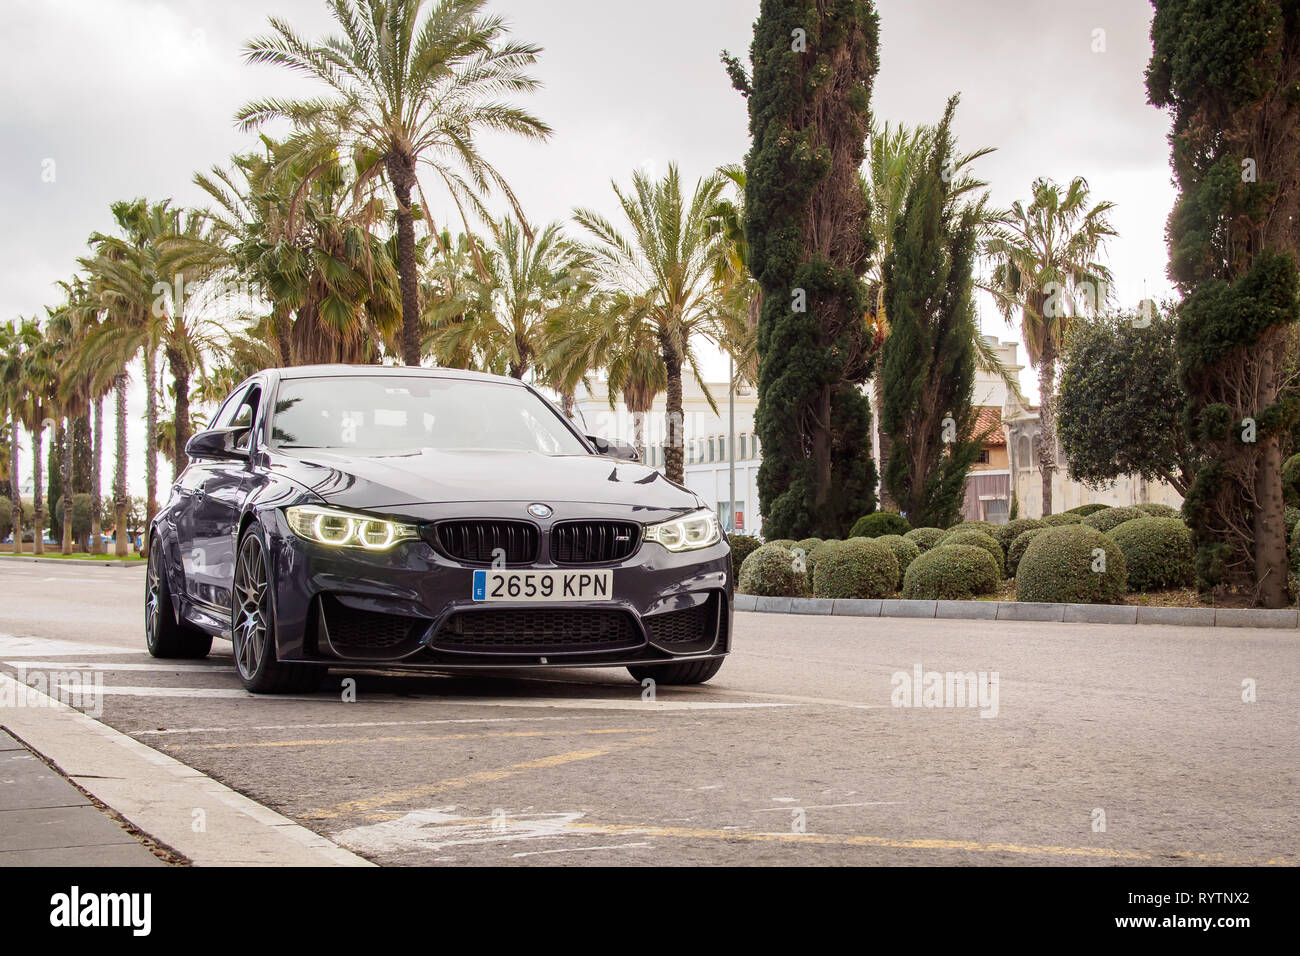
{"points": [[990, 416]]}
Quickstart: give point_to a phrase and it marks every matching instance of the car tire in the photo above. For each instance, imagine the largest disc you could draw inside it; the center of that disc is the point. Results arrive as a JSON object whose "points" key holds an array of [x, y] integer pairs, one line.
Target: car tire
{"points": [[252, 626], [683, 672], [164, 635]]}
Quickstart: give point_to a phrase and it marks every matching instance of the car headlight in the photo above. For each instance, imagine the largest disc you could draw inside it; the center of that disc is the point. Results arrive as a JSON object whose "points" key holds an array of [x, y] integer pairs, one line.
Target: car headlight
{"points": [[347, 529], [699, 529]]}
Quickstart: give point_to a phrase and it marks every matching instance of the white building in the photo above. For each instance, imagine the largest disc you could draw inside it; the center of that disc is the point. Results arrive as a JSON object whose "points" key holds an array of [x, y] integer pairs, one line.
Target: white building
{"points": [[1007, 470]]}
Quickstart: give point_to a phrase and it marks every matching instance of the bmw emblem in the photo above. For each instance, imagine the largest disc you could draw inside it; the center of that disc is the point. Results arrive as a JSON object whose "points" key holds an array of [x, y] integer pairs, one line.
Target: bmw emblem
{"points": [[540, 510]]}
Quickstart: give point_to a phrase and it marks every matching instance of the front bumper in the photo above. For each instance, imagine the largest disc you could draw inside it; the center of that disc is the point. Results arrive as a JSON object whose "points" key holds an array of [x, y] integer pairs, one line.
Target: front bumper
{"points": [[412, 607]]}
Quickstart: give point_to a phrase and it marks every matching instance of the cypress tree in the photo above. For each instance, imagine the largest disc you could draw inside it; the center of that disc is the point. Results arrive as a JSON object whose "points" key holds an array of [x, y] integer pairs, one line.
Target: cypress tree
{"points": [[1229, 73], [806, 223], [928, 361]]}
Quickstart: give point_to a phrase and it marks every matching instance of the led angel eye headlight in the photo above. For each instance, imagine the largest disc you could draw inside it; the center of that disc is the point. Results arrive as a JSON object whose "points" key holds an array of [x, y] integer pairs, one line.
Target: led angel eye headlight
{"points": [[345, 529], [690, 532]]}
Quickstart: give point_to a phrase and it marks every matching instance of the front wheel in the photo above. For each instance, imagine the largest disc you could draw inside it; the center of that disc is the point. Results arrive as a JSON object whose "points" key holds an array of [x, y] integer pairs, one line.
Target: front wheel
{"points": [[683, 672], [252, 627], [163, 633]]}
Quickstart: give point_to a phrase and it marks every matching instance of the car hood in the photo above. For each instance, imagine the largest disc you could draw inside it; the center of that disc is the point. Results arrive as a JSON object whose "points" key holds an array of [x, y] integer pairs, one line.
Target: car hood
{"points": [[433, 476]]}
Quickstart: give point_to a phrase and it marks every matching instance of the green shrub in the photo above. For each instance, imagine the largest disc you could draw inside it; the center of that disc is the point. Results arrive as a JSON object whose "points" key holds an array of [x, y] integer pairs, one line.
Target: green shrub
{"points": [[6, 516], [1154, 509], [781, 542], [1109, 518], [951, 572], [1295, 547], [1064, 517], [1058, 567], [1008, 532], [742, 546], [810, 559], [879, 523], [1291, 516], [1158, 552], [857, 568], [980, 540], [1084, 510], [1291, 480], [807, 544], [769, 571], [1017, 549], [925, 538], [905, 552], [987, 527]]}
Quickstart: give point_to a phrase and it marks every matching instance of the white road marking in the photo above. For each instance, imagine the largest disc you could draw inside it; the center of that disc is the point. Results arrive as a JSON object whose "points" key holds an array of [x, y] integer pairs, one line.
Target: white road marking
{"points": [[358, 723], [578, 849], [830, 806], [217, 667], [48, 647], [373, 698], [440, 828]]}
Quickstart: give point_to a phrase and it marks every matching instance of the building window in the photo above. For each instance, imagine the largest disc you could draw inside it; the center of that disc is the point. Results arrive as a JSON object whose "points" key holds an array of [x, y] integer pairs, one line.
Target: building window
{"points": [[983, 458], [742, 447], [712, 449], [995, 510]]}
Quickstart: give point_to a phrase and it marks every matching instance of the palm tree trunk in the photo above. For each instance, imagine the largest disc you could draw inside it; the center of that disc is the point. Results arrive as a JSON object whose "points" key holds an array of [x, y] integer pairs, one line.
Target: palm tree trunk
{"points": [[402, 176], [96, 465], [882, 440], [1047, 425], [38, 494], [18, 497], [674, 452], [180, 367], [151, 432], [119, 469], [65, 467]]}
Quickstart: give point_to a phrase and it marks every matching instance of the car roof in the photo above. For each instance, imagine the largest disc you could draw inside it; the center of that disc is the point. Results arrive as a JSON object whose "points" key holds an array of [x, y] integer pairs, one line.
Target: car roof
{"points": [[343, 371]]}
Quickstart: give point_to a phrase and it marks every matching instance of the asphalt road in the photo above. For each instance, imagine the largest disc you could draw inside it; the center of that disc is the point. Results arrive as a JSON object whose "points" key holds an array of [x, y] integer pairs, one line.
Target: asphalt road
{"points": [[1104, 744]]}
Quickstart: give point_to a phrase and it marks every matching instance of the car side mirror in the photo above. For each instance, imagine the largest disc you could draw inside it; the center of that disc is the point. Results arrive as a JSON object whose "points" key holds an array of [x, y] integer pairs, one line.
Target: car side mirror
{"points": [[613, 448], [217, 443]]}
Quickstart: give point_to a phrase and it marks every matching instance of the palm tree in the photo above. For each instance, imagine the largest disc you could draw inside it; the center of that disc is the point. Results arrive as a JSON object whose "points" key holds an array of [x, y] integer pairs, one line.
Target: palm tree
{"points": [[308, 244], [1047, 269], [530, 275], [664, 269], [11, 395], [36, 381], [410, 90], [612, 333]]}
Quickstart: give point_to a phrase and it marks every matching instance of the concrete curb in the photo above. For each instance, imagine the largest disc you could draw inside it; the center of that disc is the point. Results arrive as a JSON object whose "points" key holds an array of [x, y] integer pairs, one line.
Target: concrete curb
{"points": [[160, 795], [1281, 618], [83, 562]]}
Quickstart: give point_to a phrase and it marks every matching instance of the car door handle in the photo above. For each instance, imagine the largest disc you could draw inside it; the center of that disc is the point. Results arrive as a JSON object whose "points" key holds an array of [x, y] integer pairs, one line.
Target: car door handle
{"points": [[200, 491]]}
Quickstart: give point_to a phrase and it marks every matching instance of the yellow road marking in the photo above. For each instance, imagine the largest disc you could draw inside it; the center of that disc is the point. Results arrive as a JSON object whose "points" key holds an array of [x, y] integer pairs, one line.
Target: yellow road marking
{"points": [[835, 839], [367, 804], [394, 740]]}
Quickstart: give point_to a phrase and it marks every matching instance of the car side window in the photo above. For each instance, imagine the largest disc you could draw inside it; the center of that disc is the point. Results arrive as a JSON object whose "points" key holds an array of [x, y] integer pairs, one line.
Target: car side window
{"points": [[245, 417], [228, 411]]}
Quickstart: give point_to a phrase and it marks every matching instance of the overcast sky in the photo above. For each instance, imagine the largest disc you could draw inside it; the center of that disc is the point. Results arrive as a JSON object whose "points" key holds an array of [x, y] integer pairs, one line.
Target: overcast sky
{"points": [[114, 99]]}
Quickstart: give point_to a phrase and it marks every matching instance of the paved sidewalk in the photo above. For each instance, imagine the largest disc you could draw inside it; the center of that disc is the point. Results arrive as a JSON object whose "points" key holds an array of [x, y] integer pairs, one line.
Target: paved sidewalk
{"points": [[46, 821]]}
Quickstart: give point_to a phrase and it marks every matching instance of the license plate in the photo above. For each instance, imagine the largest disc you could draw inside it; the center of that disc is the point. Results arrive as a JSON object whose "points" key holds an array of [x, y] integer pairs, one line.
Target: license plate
{"points": [[543, 585]]}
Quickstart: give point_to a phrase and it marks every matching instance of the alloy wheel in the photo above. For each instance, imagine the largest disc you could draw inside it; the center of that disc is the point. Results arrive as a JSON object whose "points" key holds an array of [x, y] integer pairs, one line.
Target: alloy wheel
{"points": [[252, 608]]}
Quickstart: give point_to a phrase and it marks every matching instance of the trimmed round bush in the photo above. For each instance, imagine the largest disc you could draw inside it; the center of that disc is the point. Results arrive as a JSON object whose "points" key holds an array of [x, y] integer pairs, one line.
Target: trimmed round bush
{"points": [[1109, 518], [1085, 510], [1058, 567], [810, 559], [857, 568], [782, 542], [1017, 549], [1291, 480], [808, 544], [952, 572], [1158, 552], [905, 552], [987, 527], [980, 540], [880, 523], [1295, 547], [1156, 510], [742, 546], [769, 571], [1008, 532], [925, 538], [1065, 517]]}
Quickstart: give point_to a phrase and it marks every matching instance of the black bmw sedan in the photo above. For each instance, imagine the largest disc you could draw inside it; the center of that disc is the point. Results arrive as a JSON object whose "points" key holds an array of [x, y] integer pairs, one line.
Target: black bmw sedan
{"points": [[428, 518]]}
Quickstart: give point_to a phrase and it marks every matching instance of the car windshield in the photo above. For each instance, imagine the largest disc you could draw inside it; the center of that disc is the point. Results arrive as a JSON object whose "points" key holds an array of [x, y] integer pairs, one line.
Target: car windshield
{"points": [[396, 415]]}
